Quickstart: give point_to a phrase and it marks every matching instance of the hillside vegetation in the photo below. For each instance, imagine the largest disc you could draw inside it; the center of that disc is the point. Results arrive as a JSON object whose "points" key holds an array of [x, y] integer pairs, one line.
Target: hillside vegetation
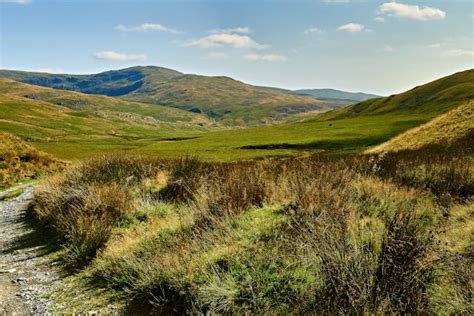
{"points": [[446, 129], [20, 161], [220, 98]]}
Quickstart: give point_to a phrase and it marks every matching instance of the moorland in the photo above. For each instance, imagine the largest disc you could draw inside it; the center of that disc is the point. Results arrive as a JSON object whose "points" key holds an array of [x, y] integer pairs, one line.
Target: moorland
{"points": [[172, 193]]}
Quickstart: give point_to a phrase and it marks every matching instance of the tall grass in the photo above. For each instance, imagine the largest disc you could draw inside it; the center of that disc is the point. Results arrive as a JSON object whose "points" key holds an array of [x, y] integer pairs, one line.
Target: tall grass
{"points": [[319, 234]]}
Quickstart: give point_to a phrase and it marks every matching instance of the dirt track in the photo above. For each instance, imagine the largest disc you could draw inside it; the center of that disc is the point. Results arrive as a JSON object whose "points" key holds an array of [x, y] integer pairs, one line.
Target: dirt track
{"points": [[26, 275]]}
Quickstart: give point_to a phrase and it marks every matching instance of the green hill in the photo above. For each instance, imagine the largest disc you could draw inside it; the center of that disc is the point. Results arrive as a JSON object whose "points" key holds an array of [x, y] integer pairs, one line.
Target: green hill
{"points": [[72, 124], [428, 100], [220, 98]]}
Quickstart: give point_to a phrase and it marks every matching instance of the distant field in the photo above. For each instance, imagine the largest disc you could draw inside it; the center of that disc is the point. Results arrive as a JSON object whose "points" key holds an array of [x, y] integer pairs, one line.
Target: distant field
{"points": [[338, 136]]}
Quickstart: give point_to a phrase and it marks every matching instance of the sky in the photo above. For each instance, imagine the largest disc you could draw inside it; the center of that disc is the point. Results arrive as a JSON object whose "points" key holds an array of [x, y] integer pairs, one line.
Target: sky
{"points": [[381, 47]]}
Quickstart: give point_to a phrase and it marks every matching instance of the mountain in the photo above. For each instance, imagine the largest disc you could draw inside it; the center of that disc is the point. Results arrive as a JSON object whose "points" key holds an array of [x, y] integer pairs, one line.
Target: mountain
{"points": [[332, 94], [428, 100], [451, 127], [110, 83], [219, 98]]}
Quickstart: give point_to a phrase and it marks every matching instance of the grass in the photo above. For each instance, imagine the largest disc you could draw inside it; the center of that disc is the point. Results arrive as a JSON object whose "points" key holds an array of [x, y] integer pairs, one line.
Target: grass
{"points": [[320, 234], [20, 161], [446, 128], [107, 125]]}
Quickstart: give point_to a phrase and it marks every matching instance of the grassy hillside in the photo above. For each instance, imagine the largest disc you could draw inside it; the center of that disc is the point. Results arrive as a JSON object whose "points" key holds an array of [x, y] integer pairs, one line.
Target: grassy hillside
{"points": [[85, 125], [20, 161], [335, 94], [225, 99], [445, 129], [84, 102], [430, 100], [219, 98]]}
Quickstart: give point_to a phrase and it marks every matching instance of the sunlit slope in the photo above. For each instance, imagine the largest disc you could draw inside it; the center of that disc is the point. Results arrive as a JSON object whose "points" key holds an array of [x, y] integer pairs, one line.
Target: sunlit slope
{"points": [[86, 102], [33, 113], [429, 100], [224, 98], [445, 129]]}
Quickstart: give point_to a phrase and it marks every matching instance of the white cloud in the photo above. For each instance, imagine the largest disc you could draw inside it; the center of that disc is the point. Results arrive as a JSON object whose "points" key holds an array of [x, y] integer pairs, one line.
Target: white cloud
{"points": [[313, 30], [217, 56], [220, 40], [411, 11], [16, 1], [110, 55], [460, 53], [147, 27], [436, 45], [353, 28], [388, 48], [265, 57], [380, 19], [241, 30]]}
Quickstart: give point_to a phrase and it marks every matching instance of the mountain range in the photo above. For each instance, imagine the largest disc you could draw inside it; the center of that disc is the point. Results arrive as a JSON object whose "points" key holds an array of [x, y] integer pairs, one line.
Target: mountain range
{"points": [[219, 98]]}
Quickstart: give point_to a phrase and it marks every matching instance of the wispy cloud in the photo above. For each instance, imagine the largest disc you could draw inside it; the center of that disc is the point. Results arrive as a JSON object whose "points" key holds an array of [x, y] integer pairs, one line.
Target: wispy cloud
{"points": [[353, 28], [313, 30], [240, 30], [388, 48], [220, 40], [379, 19], [16, 1], [411, 11], [460, 53], [265, 57], [111, 55], [217, 56], [436, 45], [147, 27]]}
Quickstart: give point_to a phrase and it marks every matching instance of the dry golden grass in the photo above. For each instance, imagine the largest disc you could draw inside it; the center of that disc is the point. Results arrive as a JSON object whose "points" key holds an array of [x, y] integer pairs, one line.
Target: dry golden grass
{"points": [[314, 235], [20, 161], [444, 129]]}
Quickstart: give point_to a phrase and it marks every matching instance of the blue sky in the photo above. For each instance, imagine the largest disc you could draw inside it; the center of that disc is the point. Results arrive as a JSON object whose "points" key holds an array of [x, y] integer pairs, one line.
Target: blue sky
{"points": [[372, 46]]}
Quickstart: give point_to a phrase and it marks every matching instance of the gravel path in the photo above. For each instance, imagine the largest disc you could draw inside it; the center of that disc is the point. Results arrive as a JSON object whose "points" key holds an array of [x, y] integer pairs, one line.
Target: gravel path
{"points": [[26, 276]]}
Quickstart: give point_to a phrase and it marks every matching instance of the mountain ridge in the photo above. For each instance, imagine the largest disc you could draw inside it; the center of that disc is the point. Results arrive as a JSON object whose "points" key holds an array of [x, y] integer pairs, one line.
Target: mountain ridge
{"points": [[219, 97], [328, 93]]}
